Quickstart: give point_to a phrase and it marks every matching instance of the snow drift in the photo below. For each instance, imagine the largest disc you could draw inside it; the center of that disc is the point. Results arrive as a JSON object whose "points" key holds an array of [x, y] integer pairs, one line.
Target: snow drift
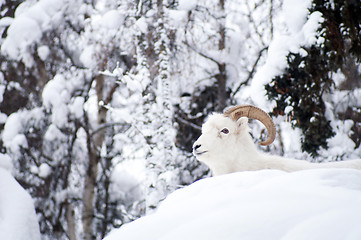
{"points": [[18, 220], [269, 204]]}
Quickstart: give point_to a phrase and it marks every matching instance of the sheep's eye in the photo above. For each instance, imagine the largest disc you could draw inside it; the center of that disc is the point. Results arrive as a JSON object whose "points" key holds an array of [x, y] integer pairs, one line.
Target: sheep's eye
{"points": [[225, 130]]}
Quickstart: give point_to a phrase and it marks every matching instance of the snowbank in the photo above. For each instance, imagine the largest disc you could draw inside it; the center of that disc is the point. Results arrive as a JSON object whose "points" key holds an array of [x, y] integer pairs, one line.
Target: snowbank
{"points": [[18, 220], [314, 204]]}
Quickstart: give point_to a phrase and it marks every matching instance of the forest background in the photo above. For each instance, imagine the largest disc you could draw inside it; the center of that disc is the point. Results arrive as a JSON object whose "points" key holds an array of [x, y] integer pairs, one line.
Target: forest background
{"points": [[101, 100]]}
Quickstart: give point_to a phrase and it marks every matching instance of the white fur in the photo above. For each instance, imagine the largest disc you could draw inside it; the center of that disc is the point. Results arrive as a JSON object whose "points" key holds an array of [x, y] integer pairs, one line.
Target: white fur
{"points": [[235, 151]]}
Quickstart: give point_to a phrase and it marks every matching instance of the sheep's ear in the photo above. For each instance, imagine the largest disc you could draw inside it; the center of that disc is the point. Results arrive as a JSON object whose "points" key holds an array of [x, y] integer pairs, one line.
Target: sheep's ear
{"points": [[242, 123]]}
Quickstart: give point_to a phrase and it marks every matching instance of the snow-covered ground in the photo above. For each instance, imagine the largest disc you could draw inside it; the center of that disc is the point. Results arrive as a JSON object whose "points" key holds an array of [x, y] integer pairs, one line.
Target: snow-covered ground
{"points": [[314, 204], [18, 220]]}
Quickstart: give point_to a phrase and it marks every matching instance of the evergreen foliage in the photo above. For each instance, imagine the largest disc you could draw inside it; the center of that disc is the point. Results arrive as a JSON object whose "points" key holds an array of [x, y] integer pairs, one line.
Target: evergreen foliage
{"points": [[301, 87], [309, 76]]}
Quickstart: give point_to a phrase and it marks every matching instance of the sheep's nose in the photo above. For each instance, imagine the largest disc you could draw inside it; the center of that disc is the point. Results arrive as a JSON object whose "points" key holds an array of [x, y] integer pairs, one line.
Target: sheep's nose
{"points": [[197, 146]]}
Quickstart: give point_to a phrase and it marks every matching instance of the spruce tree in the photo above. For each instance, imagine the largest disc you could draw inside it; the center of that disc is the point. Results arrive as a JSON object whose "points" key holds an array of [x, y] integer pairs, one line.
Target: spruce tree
{"points": [[309, 77]]}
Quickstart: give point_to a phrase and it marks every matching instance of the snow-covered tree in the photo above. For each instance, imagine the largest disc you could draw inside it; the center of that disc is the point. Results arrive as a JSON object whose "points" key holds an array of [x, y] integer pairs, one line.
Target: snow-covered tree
{"points": [[60, 135], [227, 42], [319, 89]]}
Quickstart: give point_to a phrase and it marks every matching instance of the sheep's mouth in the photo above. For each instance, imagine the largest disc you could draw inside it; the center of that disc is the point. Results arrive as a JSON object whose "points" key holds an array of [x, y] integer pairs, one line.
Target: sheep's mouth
{"points": [[199, 153]]}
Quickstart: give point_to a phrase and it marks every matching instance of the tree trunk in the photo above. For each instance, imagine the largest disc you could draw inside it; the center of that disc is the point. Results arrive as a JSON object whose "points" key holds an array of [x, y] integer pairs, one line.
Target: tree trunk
{"points": [[94, 146], [222, 75], [88, 195], [70, 221], [222, 87]]}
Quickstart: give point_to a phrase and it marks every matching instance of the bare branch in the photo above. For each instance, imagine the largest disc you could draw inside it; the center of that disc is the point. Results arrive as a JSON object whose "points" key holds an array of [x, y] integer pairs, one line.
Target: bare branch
{"points": [[271, 19], [202, 54], [251, 73], [196, 127], [253, 22], [106, 125]]}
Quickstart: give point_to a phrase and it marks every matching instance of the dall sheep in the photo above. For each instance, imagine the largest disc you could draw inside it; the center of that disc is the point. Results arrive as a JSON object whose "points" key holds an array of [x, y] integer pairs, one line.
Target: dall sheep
{"points": [[226, 146]]}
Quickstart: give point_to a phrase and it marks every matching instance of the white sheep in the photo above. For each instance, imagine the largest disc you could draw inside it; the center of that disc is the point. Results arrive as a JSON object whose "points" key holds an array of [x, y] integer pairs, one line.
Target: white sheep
{"points": [[226, 146]]}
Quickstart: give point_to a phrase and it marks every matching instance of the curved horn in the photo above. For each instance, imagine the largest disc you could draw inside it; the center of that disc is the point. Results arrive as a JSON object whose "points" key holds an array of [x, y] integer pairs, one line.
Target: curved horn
{"points": [[253, 112]]}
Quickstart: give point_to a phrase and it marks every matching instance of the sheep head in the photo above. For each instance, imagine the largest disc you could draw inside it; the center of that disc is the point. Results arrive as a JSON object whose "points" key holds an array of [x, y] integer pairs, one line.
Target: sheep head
{"points": [[253, 112], [225, 137]]}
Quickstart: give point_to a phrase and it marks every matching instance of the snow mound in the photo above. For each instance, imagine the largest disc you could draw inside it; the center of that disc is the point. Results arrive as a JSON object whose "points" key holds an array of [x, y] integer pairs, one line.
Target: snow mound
{"points": [[270, 204], [18, 220]]}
